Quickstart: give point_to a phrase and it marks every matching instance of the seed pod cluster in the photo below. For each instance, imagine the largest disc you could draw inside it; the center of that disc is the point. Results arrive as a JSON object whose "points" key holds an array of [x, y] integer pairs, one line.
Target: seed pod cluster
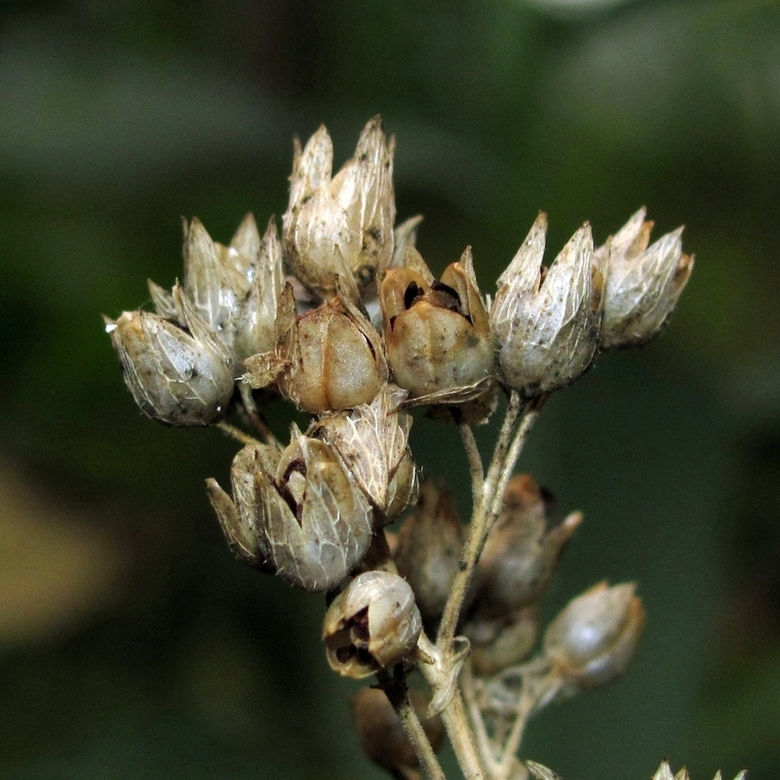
{"points": [[343, 318]]}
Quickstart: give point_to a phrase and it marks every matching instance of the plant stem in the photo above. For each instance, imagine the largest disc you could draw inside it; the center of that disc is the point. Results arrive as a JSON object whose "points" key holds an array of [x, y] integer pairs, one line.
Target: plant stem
{"points": [[477, 721], [418, 737], [462, 739]]}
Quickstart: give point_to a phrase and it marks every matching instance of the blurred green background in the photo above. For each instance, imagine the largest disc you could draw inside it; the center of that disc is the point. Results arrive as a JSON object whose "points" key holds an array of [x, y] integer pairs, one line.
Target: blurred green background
{"points": [[132, 645]]}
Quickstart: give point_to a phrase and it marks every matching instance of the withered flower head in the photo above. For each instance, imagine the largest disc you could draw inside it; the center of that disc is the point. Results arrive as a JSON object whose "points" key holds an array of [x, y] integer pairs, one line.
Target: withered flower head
{"points": [[328, 358], [429, 546], [344, 223], [177, 374], [298, 511], [373, 442], [546, 321], [591, 642], [374, 623], [521, 551], [437, 334], [643, 283]]}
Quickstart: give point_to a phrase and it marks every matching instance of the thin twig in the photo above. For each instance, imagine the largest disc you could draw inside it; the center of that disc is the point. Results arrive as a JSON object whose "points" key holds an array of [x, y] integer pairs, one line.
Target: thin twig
{"points": [[254, 417], [497, 499], [462, 739], [475, 460], [475, 540], [397, 693], [236, 433], [475, 714]]}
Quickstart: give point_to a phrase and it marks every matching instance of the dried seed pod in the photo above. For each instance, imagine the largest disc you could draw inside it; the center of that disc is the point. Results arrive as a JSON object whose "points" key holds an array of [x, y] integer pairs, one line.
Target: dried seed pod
{"points": [[546, 324], [373, 442], [498, 643], [381, 733], [328, 358], [643, 283], [429, 546], [254, 322], [521, 552], [240, 518], [178, 375], [437, 334], [374, 623], [234, 288], [298, 512], [345, 222], [214, 287], [591, 642]]}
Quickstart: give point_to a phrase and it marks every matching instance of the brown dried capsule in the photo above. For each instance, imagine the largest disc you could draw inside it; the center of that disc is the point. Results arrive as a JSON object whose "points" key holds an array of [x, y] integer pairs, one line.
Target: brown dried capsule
{"points": [[546, 322], [329, 358], [178, 375], [429, 546], [344, 223], [373, 442], [299, 511], [498, 643], [437, 334], [521, 552], [381, 733], [643, 283], [593, 639], [374, 623]]}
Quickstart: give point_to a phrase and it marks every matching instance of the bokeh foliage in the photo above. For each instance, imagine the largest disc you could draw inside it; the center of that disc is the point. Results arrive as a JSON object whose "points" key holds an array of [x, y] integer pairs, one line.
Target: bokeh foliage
{"points": [[131, 644]]}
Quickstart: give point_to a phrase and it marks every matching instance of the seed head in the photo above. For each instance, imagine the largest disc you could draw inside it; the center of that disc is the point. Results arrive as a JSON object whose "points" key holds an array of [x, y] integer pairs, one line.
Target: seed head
{"points": [[328, 358], [177, 374], [373, 443], [592, 641], [546, 323], [297, 511], [374, 623], [521, 552], [437, 334], [642, 283], [345, 223], [429, 546]]}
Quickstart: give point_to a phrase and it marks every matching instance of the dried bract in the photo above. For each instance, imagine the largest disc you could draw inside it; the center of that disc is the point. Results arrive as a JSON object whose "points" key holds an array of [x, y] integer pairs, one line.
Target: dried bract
{"points": [[344, 223], [429, 546], [299, 510], [328, 358], [437, 334], [546, 324], [591, 642], [642, 283], [177, 374], [374, 623], [521, 552], [373, 442]]}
